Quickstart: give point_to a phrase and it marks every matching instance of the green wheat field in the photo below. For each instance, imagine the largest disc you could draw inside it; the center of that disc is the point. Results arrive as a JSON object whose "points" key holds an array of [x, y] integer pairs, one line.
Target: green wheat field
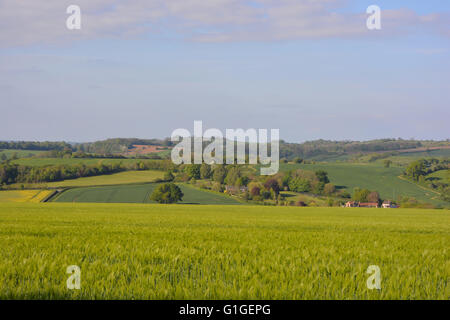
{"points": [[145, 251]]}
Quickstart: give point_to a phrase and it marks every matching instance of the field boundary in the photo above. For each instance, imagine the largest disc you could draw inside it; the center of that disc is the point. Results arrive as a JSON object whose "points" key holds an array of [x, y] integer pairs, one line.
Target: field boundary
{"points": [[51, 195]]}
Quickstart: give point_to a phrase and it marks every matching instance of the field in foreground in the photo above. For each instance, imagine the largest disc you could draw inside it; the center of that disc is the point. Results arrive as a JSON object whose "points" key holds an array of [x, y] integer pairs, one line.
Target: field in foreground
{"points": [[132, 251]]}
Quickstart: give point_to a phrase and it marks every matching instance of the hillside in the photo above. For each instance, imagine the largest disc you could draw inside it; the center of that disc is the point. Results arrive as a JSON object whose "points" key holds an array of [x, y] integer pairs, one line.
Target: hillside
{"points": [[320, 150], [387, 181]]}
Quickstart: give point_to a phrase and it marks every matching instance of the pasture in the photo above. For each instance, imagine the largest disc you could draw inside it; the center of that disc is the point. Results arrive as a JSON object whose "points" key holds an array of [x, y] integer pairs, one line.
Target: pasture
{"points": [[439, 176], [142, 251], [139, 193]]}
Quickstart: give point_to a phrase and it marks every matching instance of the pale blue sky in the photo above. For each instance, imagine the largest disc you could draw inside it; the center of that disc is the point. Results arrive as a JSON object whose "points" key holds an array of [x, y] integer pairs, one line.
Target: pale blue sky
{"points": [[148, 75]]}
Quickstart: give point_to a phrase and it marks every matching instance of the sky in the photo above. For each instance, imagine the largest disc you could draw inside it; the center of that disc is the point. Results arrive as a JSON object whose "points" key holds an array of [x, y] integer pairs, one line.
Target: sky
{"points": [[143, 68]]}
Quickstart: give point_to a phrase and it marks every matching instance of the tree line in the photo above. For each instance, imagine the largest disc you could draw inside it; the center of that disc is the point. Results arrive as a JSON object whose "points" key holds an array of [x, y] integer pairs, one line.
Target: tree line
{"points": [[34, 145], [13, 173]]}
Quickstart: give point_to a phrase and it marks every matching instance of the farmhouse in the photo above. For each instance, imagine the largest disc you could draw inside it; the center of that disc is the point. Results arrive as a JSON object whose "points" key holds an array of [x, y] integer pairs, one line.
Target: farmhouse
{"points": [[351, 204]]}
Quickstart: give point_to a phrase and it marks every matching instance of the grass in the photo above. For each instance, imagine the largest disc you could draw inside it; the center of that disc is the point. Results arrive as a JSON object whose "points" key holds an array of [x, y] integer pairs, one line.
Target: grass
{"points": [[24, 195], [440, 176], [371, 176], [132, 251], [138, 193]]}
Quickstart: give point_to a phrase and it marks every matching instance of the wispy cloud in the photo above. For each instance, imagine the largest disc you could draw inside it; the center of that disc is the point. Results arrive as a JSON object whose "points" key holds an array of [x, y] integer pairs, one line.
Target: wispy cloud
{"points": [[43, 21]]}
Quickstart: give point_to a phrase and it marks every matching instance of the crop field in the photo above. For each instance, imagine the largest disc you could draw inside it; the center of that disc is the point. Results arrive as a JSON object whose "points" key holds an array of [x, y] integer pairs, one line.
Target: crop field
{"points": [[370, 176], [23, 195], [142, 251], [139, 193], [108, 179]]}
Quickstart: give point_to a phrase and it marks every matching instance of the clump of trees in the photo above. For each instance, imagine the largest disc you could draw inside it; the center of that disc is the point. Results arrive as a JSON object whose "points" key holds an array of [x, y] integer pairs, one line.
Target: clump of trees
{"points": [[167, 193], [419, 170], [34, 145], [365, 195], [254, 187]]}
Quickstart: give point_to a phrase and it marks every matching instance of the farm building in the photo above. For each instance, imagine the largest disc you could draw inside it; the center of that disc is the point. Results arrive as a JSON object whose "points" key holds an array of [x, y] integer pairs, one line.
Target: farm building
{"points": [[388, 204], [368, 204], [354, 204]]}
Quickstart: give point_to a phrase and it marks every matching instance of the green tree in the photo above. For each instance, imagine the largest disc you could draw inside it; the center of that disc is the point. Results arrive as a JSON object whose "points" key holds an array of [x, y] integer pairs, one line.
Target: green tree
{"points": [[285, 180], [205, 171], [193, 171], [168, 176], [299, 185], [322, 176], [387, 163], [243, 181], [233, 174], [219, 173], [361, 195], [167, 193], [329, 189], [416, 169]]}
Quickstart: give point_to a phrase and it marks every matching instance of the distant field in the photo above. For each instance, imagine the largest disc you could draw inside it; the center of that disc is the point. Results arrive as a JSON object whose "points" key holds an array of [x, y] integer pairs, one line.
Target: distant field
{"points": [[405, 158], [40, 162], [108, 179], [24, 195], [132, 251], [370, 176], [138, 193], [20, 153]]}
